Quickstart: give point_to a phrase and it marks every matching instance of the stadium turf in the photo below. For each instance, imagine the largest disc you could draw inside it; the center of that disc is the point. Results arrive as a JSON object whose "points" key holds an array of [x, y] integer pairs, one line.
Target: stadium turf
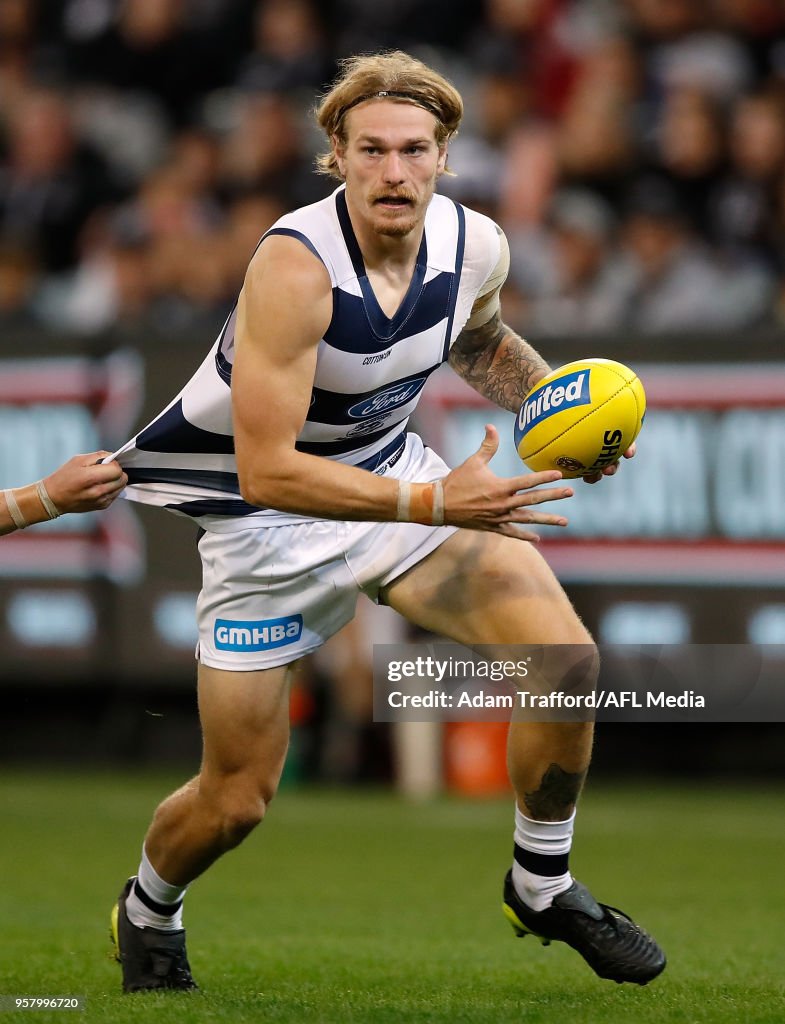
{"points": [[360, 907]]}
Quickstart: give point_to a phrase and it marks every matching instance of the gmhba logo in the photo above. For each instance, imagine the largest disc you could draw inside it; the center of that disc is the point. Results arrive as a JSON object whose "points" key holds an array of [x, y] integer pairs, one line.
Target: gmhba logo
{"points": [[247, 635]]}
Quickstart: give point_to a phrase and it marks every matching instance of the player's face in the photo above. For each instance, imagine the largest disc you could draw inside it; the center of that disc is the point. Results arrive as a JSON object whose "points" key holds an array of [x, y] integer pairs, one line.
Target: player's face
{"points": [[391, 163]]}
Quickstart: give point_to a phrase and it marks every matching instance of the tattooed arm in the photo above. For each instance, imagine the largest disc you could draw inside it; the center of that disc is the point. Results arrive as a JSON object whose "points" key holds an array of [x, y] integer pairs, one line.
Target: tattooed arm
{"points": [[488, 354], [497, 362]]}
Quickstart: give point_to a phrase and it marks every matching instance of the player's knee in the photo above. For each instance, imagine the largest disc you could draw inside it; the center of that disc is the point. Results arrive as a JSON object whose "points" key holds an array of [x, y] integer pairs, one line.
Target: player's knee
{"points": [[240, 821], [580, 666], [577, 645], [570, 665], [239, 817], [587, 660], [239, 806]]}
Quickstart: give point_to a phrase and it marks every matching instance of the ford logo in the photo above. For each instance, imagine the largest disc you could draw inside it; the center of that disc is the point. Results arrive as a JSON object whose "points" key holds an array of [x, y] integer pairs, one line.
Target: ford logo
{"points": [[390, 398]]}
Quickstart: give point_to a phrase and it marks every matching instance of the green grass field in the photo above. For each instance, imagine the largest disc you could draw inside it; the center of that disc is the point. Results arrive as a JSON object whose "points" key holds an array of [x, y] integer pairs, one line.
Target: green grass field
{"points": [[360, 907]]}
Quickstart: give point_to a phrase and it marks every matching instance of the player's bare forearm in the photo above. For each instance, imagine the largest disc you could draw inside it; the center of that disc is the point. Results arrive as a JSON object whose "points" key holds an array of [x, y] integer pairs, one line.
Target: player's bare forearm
{"points": [[497, 363], [314, 486]]}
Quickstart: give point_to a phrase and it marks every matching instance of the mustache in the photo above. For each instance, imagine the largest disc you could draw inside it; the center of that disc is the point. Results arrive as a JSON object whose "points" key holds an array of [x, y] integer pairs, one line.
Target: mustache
{"points": [[383, 196]]}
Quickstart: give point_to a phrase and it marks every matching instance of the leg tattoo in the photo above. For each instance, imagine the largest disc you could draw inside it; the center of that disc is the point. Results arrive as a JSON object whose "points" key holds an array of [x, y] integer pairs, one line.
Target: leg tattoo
{"points": [[557, 793]]}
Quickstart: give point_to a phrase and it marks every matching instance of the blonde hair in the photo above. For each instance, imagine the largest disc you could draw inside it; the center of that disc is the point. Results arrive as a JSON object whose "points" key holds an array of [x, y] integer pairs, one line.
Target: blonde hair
{"points": [[390, 75]]}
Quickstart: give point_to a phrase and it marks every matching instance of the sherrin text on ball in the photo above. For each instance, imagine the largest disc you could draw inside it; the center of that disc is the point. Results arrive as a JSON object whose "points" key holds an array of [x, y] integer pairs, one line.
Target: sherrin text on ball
{"points": [[581, 417]]}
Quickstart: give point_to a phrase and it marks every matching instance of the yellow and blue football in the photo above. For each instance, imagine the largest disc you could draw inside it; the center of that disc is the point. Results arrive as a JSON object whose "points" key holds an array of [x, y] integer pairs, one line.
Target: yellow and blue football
{"points": [[581, 418]]}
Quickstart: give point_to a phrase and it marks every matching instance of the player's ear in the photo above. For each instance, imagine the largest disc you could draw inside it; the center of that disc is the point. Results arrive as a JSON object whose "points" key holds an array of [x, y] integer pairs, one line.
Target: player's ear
{"points": [[442, 162], [339, 149]]}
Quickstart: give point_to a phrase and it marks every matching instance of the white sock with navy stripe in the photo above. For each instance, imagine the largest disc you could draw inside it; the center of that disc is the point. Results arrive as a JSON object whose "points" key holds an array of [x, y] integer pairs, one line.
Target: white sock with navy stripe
{"points": [[154, 903], [540, 869]]}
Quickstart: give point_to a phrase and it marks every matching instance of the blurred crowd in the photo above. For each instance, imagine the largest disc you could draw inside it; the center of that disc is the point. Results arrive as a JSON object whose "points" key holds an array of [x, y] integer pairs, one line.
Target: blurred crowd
{"points": [[632, 150]]}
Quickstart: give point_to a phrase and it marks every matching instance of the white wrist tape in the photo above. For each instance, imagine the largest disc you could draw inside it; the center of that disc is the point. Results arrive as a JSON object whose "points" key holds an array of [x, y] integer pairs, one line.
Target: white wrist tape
{"points": [[429, 503], [404, 501], [13, 507], [438, 503], [49, 506]]}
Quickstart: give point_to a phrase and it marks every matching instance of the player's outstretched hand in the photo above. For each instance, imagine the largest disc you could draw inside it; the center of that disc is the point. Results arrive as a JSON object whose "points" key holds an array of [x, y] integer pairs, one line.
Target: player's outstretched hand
{"points": [[476, 499], [592, 478], [80, 485]]}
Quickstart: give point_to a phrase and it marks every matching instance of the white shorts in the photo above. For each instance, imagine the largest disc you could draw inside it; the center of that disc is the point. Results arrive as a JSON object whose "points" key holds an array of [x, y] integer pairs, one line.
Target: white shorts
{"points": [[271, 594]]}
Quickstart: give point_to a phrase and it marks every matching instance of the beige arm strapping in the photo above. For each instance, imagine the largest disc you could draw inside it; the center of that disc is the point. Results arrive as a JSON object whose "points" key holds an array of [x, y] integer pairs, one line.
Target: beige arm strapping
{"points": [[487, 303]]}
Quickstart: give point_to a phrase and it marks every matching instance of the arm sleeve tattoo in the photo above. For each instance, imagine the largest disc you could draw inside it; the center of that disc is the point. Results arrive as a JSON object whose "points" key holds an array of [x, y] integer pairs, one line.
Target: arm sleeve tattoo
{"points": [[497, 363]]}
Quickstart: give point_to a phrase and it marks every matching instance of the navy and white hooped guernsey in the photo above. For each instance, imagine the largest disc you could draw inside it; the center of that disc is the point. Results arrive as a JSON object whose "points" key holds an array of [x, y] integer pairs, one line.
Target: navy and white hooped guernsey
{"points": [[370, 368]]}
